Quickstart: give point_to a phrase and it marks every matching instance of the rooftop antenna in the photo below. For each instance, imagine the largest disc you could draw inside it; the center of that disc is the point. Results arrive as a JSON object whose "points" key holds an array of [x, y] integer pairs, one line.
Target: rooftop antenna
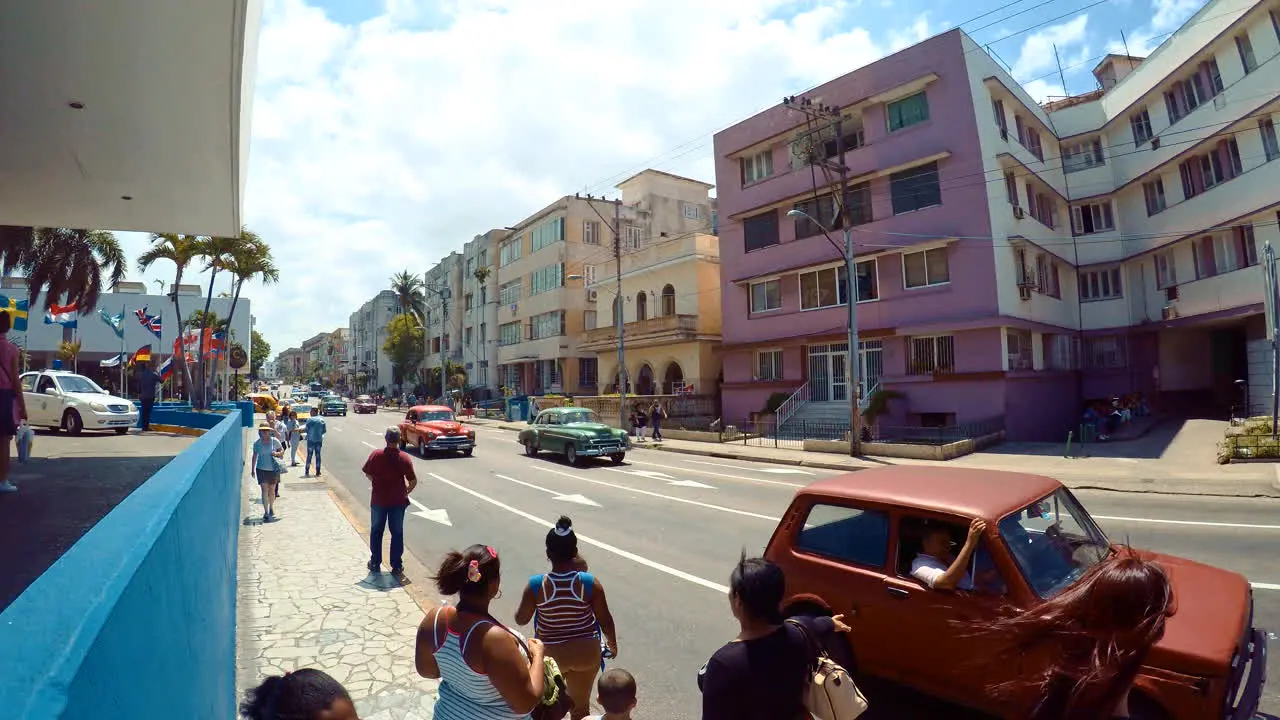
{"points": [[1062, 77], [1126, 44]]}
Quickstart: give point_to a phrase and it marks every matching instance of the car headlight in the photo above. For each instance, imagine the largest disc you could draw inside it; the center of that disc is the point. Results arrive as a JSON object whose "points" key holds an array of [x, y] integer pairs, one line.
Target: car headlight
{"points": [[97, 407], [431, 435], [471, 434]]}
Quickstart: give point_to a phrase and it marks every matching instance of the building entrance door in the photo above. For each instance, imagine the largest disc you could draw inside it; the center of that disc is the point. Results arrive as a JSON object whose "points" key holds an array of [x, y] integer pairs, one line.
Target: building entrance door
{"points": [[829, 372]]}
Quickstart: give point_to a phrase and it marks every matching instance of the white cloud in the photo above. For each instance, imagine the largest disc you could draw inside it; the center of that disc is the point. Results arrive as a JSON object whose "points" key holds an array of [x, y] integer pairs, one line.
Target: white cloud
{"points": [[388, 144], [1036, 57]]}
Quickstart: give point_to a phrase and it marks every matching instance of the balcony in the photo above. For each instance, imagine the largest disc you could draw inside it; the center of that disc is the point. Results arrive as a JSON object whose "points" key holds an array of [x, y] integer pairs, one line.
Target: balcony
{"points": [[647, 333]]}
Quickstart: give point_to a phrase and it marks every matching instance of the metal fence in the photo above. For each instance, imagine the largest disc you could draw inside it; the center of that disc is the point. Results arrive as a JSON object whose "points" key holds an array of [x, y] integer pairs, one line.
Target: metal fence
{"points": [[1251, 447], [937, 435]]}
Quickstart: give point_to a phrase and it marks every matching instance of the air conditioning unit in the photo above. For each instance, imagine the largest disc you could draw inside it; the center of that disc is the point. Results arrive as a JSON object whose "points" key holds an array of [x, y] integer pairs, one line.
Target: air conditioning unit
{"points": [[1018, 212], [592, 295], [1155, 143], [1024, 292], [1168, 312]]}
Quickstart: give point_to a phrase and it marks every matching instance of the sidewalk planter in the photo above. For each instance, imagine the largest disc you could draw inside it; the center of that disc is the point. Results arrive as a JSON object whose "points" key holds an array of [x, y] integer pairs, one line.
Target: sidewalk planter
{"points": [[136, 621], [909, 451]]}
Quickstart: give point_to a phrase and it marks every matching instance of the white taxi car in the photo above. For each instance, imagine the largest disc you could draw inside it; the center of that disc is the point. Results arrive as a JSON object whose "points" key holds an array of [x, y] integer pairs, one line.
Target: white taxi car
{"points": [[61, 399]]}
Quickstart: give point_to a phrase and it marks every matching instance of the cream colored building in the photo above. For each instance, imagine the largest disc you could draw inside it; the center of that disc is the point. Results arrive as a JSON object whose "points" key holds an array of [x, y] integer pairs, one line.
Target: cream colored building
{"points": [[670, 307], [542, 314]]}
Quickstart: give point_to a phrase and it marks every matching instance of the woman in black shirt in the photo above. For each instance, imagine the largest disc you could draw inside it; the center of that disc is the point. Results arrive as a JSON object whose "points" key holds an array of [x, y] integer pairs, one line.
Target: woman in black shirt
{"points": [[761, 674]]}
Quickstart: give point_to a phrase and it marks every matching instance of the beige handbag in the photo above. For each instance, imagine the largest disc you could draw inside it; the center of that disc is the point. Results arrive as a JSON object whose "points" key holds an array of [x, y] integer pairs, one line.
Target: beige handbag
{"points": [[831, 693]]}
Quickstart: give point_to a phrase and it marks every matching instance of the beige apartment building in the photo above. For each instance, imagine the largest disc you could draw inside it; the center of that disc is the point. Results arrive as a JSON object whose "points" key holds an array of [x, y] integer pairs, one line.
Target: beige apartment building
{"points": [[543, 315], [670, 308]]}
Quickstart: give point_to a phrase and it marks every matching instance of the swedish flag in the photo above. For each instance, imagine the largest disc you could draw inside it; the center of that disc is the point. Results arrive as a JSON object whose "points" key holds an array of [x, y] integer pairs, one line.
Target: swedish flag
{"points": [[17, 309]]}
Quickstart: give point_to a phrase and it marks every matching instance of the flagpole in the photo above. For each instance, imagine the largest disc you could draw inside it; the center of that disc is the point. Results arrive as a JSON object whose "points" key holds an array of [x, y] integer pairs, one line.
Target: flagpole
{"points": [[124, 391]]}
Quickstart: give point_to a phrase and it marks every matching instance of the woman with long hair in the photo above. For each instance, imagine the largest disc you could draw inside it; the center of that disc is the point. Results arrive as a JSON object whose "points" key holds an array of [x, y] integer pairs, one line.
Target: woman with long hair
{"points": [[483, 672], [13, 405], [570, 612], [1095, 634]]}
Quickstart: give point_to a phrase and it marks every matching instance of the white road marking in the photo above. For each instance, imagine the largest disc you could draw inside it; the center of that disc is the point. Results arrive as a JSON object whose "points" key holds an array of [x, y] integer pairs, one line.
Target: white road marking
{"points": [[723, 475], [581, 500], [592, 541], [372, 432], [709, 506], [785, 471], [368, 444], [652, 475], [1265, 586], [1199, 523], [441, 516]]}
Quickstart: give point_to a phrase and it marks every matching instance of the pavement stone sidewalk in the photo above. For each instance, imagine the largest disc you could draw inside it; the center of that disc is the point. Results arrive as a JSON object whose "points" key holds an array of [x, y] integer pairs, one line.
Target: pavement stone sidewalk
{"points": [[306, 600]]}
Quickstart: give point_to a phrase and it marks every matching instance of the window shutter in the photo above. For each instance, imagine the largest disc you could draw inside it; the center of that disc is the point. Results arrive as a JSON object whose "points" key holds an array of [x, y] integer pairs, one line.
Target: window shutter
{"points": [[1077, 221]]}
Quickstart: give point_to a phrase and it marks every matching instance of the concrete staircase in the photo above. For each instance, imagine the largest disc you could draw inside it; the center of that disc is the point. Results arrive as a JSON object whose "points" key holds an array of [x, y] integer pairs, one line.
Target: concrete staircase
{"points": [[817, 421]]}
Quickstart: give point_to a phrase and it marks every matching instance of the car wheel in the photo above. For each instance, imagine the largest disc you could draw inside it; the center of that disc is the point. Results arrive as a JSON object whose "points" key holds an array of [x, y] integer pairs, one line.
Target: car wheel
{"points": [[121, 431], [571, 454], [422, 448], [468, 452], [617, 458], [530, 449], [72, 422]]}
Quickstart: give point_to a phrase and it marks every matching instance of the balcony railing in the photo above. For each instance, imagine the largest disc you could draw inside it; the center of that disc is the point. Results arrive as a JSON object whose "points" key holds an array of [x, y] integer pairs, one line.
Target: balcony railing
{"points": [[641, 329]]}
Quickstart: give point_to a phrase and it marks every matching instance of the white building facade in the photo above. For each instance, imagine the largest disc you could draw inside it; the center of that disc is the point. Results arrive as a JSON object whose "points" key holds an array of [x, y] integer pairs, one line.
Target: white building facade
{"points": [[370, 366], [478, 307]]}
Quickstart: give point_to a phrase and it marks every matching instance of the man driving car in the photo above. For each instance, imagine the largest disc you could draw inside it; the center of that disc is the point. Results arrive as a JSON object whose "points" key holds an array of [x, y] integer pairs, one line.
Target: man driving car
{"points": [[936, 565]]}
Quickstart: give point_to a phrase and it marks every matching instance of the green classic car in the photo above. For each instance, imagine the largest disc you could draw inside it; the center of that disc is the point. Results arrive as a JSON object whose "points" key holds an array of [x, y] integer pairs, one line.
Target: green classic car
{"points": [[333, 405], [576, 432]]}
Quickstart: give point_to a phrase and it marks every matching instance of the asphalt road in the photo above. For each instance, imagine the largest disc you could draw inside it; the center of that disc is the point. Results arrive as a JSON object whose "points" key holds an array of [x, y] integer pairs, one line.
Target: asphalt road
{"points": [[663, 531]]}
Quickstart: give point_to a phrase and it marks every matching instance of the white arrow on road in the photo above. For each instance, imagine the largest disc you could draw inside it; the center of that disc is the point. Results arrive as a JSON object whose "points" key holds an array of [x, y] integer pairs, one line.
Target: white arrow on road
{"points": [[441, 516], [654, 475], [785, 471], [580, 499]]}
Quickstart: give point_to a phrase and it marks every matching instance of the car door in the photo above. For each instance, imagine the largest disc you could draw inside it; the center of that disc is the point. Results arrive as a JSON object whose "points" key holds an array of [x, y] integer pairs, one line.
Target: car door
{"points": [[35, 403], [409, 429], [49, 401], [550, 436]]}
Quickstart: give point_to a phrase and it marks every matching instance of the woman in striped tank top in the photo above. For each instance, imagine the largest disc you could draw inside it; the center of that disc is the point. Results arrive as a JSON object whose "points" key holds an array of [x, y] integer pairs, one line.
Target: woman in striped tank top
{"points": [[484, 673], [569, 611]]}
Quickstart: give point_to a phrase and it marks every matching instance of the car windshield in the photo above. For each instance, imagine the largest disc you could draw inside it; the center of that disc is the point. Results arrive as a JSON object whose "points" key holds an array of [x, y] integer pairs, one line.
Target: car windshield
{"points": [[579, 416], [305, 409], [363, 398], [78, 384], [1054, 542], [436, 416]]}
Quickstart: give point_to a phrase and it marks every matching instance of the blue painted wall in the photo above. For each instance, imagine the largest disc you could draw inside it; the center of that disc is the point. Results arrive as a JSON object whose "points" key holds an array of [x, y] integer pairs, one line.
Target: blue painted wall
{"points": [[137, 620]]}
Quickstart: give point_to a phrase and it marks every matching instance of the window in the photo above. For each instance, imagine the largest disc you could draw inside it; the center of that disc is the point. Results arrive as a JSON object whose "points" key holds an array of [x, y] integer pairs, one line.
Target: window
{"points": [[925, 268], [588, 319], [1061, 352], [512, 292], [1166, 270], [1180, 100], [484, 296], [1042, 207], [588, 372], [1104, 353], [1209, 69], [589, 274], [1082, 155], [850, 534], [852, 140], [859, 209], [668, 300], [757, 167], [1267, 127], [484, 333], [821, 209], [997, 107], [766, 296], [931, 355], [1223, 253], [823, 288], [548, 233], [1153, 192], [546, 278], [908, 111], [1140, 123], [1090, 218], [915, 189], [1020, 354], [760, 231], [547, 324], [1275, 23], [509, 333], [1202, 172], [1011, 188], [691, 211], [868, 280], [1029, 137], [590, 232], [1047, 280], [510, 251], [470, 300], [1100, 284], [642, 305], [769, 365], [1245, 48], [631, 237], [467, 336]]}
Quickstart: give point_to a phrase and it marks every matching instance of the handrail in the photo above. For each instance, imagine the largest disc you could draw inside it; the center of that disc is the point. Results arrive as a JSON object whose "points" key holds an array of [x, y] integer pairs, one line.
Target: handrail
{"points": [[793, 403], [865, 401]]}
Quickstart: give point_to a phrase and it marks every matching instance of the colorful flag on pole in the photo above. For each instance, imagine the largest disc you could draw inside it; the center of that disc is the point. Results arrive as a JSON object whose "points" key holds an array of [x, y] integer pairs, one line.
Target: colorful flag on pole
{"points": [[215, 343], [115, 321], [148, 321], [64, 315], [112, 361], [143, 354], [17, 309], [166, 368]]}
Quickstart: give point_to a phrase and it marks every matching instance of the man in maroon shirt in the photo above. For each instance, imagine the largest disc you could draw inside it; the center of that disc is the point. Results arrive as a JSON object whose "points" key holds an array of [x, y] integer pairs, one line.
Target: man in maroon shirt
{"points": [[390, 473]]}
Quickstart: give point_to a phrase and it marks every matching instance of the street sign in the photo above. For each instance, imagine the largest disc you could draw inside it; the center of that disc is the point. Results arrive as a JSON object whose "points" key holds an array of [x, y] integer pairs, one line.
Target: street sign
{"points": [[238, 357]]}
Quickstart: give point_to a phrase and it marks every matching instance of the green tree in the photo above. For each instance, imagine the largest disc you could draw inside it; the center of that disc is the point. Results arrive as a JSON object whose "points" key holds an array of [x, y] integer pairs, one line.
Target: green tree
{"points": [[249, 259], [260, 353], [404, 346], [69, 266], [482, 273], [410, 295], [180, 250]]}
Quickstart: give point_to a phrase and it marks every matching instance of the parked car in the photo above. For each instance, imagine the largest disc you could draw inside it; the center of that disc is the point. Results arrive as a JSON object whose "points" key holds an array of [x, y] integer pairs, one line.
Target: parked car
{"points": [[60, 399], [365, 404], [333, 405], [434, 427], [847, 543], [577, 433]]}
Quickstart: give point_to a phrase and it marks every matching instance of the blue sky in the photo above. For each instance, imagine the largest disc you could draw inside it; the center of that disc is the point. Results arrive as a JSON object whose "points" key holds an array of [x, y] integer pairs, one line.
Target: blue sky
{"points": [[387, 133]]}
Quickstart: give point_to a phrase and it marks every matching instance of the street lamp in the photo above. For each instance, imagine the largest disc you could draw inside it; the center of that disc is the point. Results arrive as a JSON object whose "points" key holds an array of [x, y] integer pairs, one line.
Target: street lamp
{"points": [[622, 354], [854, 358]]}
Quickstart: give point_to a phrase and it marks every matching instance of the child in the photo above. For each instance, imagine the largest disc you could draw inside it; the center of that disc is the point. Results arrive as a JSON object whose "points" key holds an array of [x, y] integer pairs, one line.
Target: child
{"points": [[305, 694], [616, 693]]}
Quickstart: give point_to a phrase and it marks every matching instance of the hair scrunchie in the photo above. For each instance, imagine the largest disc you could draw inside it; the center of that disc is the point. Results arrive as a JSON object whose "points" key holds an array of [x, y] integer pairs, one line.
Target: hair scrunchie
{"points": [[473, 571]]}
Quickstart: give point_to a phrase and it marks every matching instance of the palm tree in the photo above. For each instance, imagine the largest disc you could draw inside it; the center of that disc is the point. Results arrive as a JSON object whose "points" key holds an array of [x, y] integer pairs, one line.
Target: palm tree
{"points": [[410, 294], [250, 259], [179, 250], [65, 264], [216, 252]]}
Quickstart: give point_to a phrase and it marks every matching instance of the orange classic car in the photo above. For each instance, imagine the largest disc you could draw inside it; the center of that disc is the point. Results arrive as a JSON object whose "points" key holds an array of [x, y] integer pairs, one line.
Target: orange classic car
{"points": [[847, 544], [434, 427]]}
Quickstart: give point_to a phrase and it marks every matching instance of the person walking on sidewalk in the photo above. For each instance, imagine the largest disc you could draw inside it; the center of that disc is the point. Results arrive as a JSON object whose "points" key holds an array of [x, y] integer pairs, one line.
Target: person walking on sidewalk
{"points": [[391, 478], [314, 432], [482, 670], [13, 405], [267, 452], [657, 414], [291, 434], [148, 380], [569, 612]]}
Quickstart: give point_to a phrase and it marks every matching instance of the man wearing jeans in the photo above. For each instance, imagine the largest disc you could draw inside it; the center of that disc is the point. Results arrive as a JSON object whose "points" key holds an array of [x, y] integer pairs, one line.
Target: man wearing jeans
{"points": [[391, 477], [314, 431]]}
